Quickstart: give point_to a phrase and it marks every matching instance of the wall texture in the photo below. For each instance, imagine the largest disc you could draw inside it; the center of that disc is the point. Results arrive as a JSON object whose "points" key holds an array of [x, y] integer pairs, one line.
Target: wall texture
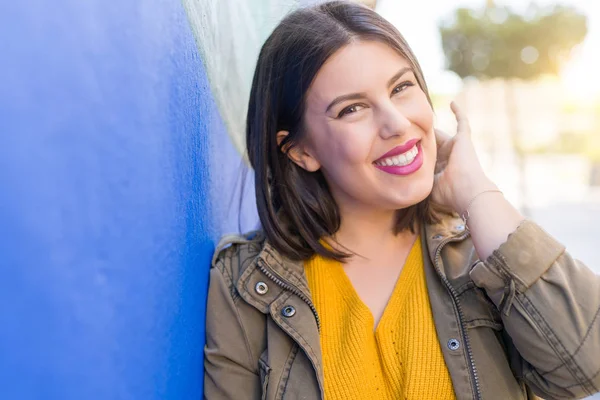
{"points": [[121, 126], [108, 185], [229, 34]]}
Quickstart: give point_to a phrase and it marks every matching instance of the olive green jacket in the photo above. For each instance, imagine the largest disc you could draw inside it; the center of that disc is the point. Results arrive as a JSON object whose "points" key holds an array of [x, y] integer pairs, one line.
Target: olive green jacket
{"points": [[523, 322]]}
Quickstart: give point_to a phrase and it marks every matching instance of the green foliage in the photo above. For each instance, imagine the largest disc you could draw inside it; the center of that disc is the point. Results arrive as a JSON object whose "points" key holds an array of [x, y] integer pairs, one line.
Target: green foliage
{"points": [[496, 42]]}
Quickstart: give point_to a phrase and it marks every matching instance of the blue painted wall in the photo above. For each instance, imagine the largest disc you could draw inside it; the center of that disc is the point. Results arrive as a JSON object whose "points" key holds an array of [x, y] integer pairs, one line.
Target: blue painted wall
{"points": [[111, 199]]}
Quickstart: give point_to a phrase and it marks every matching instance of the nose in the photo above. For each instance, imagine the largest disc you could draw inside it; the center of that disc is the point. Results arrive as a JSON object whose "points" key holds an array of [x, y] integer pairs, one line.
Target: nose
{"points": [[393, 122]]}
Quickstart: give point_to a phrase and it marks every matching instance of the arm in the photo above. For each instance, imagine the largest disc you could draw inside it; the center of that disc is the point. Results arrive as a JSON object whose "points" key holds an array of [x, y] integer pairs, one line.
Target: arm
{"points": [[550, 306], [549, 302], [461, 185], [229, 372]]}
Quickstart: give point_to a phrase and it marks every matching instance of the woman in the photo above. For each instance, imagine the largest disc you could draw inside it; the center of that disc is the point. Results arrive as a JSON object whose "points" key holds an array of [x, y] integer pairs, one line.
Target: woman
{"points": [[364, 283]]}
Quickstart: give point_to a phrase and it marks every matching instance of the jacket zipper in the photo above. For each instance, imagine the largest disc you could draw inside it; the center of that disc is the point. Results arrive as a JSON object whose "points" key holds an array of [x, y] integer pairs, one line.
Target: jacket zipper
{"points": [[454, 295], [280, 282]]}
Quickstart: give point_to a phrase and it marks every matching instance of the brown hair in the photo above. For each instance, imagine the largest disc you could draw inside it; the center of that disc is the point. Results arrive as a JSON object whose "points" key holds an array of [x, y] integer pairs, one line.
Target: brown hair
{"points": [[295, 206]]}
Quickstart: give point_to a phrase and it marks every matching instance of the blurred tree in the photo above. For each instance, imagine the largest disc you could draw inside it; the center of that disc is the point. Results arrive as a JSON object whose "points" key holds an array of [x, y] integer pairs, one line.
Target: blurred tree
{"points": [[495, 42]]}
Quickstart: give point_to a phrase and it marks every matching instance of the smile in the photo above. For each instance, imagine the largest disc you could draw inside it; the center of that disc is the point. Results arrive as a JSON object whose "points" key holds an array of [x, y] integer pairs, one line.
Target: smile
{"points": [[402, 164], [401, 159]]}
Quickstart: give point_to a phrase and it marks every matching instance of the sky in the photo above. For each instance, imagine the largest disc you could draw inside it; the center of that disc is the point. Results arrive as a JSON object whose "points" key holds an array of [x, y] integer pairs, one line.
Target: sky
{"points": [[418, 22]]}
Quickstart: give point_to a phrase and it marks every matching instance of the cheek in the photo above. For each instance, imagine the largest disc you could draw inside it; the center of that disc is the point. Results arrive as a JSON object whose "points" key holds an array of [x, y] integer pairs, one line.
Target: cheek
{"points": [[429, 144], [350, 144], [431, 150], [420, 113]]}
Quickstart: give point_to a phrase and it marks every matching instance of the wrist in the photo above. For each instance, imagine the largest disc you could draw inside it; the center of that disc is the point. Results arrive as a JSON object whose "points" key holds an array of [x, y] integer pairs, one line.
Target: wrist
{"points": [[470, 190]]}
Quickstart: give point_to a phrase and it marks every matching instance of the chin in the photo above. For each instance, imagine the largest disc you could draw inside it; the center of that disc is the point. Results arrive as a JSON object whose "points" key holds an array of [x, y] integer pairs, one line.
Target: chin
{"points": [[417, 195]]}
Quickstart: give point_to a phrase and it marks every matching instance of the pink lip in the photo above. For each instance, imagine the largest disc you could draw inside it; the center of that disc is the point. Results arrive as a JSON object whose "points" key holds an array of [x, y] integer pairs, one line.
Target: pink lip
{"points": [[399, 149], [405, 169]]}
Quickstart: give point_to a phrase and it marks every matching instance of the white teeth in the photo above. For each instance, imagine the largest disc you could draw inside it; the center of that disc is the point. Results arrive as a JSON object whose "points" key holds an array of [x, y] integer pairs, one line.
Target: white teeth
{"points": [[401, 159]]}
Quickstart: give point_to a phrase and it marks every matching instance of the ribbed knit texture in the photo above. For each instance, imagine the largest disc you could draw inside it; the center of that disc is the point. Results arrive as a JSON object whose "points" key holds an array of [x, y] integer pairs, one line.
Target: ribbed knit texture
{"points": [[402, 359]]}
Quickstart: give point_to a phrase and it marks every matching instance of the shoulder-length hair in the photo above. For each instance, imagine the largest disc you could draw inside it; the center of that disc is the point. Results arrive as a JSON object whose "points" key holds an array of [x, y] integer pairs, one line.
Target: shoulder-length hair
{"points": [[295, 207]]}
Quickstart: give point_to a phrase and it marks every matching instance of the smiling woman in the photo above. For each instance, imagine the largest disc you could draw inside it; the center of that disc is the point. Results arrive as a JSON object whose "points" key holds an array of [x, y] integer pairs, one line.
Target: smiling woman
{"points": [[354, 144], [387, 120], [363, 281]]}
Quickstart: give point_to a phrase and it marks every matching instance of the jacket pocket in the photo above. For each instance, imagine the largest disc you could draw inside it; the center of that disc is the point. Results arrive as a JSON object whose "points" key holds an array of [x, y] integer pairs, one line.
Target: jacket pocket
{"points": [[479, 311], [264, 371], [485, 330]]}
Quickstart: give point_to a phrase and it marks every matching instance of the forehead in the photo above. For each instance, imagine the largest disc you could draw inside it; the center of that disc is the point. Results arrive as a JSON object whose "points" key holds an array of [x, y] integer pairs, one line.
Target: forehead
{"points": [[360, 66]]}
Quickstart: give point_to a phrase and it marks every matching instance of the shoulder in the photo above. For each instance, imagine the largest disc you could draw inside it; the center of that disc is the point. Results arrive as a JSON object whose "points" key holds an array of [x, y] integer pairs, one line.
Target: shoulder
{"points": [[235, 252]]}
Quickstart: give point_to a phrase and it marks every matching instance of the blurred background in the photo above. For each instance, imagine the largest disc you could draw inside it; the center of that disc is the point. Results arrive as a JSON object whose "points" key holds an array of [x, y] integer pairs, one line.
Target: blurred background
{"points": [[526, 73], [121, 142]]}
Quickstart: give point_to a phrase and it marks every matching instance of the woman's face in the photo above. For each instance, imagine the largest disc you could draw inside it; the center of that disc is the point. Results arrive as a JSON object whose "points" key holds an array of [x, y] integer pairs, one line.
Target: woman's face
{"points": [[369, 128]]}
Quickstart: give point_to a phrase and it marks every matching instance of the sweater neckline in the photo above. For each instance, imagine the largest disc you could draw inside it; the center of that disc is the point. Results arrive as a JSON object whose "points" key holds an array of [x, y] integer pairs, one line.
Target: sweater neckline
{"points": [[397, 297]]}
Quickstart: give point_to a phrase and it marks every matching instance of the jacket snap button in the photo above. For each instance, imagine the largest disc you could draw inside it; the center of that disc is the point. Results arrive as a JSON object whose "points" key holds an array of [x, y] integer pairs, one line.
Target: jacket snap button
{"points": [[460, 227], [261, 288], [288, 311], [436, 237], [453, 344]]}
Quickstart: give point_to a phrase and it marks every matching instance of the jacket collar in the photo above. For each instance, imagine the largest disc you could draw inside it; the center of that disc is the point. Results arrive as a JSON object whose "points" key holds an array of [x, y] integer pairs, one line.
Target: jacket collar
{"points": [[280, 272], [292, 272], [436, 234]]}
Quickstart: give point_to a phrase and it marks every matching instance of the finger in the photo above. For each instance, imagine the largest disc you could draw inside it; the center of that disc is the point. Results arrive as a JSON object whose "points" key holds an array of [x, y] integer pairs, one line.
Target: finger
{"points": [[439, 167], [462, 122], [444, 144], [441, 137]]}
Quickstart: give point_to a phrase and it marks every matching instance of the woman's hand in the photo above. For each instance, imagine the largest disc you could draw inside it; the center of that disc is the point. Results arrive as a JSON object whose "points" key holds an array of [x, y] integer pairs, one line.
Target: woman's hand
{"points": [[459, 178], [458, 173]]}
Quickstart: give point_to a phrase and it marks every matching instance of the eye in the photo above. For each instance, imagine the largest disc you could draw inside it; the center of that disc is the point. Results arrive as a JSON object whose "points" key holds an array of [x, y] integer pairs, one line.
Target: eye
{"points": [[350, 110], [402, 86]]}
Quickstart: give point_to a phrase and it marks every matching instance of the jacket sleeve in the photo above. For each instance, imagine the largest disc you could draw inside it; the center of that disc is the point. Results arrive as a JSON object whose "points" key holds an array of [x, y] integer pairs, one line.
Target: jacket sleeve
{"points": [[550, 305], [229, 372]]}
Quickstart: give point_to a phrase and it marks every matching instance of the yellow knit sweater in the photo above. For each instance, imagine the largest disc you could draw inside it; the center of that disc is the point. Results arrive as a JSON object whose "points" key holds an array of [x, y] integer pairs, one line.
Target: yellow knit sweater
{"points": [[402, 359]]}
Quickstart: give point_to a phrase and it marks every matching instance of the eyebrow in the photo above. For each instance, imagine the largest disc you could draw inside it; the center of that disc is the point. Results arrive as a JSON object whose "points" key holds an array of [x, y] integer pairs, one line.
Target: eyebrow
{"points": [[356, 96]]}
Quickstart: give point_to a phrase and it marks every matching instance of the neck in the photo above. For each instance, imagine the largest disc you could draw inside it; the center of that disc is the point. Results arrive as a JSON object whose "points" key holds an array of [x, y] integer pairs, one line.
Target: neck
{"points": [[370, 233]]}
